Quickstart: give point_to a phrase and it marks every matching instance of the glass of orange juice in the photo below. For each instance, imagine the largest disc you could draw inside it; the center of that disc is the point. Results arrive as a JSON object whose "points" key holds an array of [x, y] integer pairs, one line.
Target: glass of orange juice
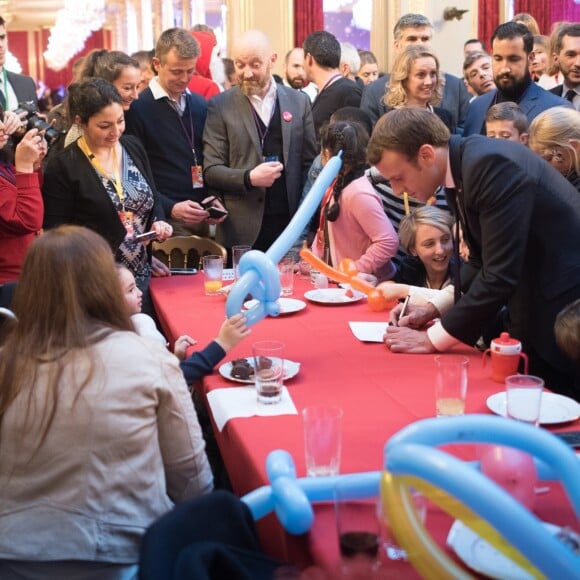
{"points": [[212, 271], [450, 384]]}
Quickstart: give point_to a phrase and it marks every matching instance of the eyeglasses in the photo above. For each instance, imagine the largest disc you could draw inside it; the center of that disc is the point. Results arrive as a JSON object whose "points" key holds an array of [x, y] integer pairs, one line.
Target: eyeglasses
{"points": [[552, 155]]}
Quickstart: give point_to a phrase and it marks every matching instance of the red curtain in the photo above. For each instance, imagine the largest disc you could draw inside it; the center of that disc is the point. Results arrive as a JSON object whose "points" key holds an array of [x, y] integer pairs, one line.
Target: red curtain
{"points": [[567, 10], [539, 9], [488, 20], [308, 17], [546, 13]]}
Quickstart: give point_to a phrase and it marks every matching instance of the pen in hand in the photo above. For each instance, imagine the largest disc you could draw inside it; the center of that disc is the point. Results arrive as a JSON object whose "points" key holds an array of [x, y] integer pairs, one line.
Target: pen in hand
{"points": [[402, 313]]}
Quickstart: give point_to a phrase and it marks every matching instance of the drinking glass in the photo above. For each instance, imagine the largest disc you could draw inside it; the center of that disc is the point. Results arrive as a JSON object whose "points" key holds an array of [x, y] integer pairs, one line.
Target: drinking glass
{"points": [[237, 253], [269, 370], [358, 529], [286, 269], [450, 384], [390, 545], [322, 439], [524, 398], [213, 267]]}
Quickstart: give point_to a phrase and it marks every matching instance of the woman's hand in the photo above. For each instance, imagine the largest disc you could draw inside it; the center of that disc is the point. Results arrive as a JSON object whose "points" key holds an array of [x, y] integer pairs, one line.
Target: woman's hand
{"points": [[162, 229], [28, 151], [159, 269], [392, 291], [13, 123]]}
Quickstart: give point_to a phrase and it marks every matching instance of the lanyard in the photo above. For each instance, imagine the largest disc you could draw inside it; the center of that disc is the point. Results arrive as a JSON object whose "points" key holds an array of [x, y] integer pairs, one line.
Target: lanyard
{"points": [[258, 121], [191, 135], [97, 165], [5, 87]]}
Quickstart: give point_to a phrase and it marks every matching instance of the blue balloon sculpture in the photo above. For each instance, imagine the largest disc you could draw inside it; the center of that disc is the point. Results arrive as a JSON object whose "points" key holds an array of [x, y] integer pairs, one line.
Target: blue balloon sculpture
{"points": [[410, 452], [258, 270]]}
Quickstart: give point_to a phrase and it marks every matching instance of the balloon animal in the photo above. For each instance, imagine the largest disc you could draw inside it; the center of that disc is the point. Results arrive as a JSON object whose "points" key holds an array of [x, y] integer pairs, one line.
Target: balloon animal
{"points": [[456, 486], [258, 270]]}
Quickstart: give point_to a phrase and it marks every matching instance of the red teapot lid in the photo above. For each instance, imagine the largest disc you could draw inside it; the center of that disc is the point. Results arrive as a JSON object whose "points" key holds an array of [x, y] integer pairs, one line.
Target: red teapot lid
{"points": [[505, 344], [506, 339]]}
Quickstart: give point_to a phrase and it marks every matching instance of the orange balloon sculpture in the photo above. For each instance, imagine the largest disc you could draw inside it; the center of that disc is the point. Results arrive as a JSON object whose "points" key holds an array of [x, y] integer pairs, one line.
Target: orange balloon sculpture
{"points": [[347, 273]]}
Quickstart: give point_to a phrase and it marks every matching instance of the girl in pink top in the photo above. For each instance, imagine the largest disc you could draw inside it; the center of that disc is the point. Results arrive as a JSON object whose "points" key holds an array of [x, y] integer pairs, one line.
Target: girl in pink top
{"points": [[353, 223]]}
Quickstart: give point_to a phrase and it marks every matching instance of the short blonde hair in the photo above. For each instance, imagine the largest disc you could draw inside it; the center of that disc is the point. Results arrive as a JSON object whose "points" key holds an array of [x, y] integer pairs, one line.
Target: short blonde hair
{"points": [[554, 128], [425, 215], [396, 90], [567, 330]]}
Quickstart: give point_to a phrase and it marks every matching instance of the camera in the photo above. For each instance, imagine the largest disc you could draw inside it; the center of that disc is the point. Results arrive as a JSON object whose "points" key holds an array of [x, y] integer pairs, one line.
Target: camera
{"points": [[28, 112]]}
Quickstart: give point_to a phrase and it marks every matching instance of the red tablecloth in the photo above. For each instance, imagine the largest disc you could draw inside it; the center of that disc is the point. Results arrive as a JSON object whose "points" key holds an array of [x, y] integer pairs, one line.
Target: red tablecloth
{"points": [[380, 393]]}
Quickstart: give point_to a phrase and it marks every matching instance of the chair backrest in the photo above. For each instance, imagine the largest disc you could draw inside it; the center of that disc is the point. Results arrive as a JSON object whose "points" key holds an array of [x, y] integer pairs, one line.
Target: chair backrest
{"points": [[186, 251]]}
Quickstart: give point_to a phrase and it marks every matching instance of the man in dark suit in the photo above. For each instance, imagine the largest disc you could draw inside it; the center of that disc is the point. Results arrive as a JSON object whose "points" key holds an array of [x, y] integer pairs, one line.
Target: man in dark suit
{"points": [[14, 88], [258, 146], [321, 63], [521, 221], [416, 29], [511, 47], [567, 55]]}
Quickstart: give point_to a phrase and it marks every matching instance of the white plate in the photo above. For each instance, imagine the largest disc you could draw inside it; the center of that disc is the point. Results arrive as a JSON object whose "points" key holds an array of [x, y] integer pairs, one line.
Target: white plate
{"points": [[287, 305], [333, 296], [554, 409], [225, 370], [484, 558]]}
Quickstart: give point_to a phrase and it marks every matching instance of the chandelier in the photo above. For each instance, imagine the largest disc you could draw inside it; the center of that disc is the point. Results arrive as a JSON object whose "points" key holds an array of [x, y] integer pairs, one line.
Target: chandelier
{"points": [[74, 24]]}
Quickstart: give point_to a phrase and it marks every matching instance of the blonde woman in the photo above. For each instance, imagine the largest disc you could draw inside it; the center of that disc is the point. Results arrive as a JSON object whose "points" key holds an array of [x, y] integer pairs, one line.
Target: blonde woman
{"points": [[555, 136], [417, 81]]}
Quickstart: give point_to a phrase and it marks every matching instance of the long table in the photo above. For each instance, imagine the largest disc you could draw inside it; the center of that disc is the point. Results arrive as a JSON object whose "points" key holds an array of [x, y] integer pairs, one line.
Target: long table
{"points": [[379, 391]]}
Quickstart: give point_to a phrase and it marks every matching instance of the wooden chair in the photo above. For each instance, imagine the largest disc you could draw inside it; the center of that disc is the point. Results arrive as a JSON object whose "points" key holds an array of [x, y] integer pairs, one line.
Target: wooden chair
{"points": [[187, 251]]}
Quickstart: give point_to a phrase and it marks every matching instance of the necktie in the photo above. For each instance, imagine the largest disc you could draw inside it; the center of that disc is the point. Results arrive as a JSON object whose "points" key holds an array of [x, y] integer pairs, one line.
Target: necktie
{"points": [[453, 202], [2, 100], [570, 95]]}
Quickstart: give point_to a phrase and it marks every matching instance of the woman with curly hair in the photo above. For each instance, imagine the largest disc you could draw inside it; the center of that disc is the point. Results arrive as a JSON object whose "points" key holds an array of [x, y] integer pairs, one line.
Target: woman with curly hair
{"points": [[417, 81], [352, 221]]}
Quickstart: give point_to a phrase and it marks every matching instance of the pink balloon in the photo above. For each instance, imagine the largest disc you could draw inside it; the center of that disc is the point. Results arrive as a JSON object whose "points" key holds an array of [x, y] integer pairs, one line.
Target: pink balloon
{"points": [[513, 470]]}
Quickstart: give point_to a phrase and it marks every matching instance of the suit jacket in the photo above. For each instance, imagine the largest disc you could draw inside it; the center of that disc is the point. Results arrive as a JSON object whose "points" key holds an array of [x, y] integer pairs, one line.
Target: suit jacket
{"points": [[533, 102], [74, 194], [559, 91], [23, 86], [232, 147], [455, 99], [521, 219]]}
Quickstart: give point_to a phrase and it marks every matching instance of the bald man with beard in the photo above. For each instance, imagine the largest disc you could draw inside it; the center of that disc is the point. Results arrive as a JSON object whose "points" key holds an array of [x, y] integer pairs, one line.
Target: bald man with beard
{"points": [[258, 146]]}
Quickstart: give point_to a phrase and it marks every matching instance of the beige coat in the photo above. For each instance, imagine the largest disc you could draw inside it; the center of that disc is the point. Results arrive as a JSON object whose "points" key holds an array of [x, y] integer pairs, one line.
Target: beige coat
{"points": [[113, 460]]}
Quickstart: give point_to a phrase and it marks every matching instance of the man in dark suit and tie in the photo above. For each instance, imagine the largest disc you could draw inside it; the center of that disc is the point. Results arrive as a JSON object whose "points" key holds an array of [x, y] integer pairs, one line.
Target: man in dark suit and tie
{"points": [[258, 145], [511, 48], [14, 88], [567, 55], [521, 221], [417, 29]]}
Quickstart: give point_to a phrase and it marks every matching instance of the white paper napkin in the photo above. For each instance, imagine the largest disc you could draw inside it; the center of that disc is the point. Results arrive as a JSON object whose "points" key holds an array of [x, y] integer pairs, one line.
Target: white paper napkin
{"points": [[235, 402], [369, 331]]}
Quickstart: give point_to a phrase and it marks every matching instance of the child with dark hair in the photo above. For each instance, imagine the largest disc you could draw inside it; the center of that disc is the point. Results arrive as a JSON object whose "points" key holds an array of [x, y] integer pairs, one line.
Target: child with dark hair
{"points": [[352, 221]]}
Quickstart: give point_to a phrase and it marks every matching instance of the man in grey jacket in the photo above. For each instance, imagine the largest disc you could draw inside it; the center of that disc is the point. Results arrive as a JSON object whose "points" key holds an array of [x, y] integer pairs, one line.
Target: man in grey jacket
{"points": [[258, 146]]}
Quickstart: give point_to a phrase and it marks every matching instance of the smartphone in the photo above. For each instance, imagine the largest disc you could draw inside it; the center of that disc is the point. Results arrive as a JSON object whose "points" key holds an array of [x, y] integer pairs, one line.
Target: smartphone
{"points": [[572, 438], [271, 158], [215, 212], [183, 270], [145, 237]]}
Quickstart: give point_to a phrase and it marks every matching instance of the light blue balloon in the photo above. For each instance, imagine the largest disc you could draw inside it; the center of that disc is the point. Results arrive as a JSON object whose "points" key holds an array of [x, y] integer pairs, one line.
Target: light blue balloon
{"points": [[411, 452], [259, 272], [291, 498]]}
